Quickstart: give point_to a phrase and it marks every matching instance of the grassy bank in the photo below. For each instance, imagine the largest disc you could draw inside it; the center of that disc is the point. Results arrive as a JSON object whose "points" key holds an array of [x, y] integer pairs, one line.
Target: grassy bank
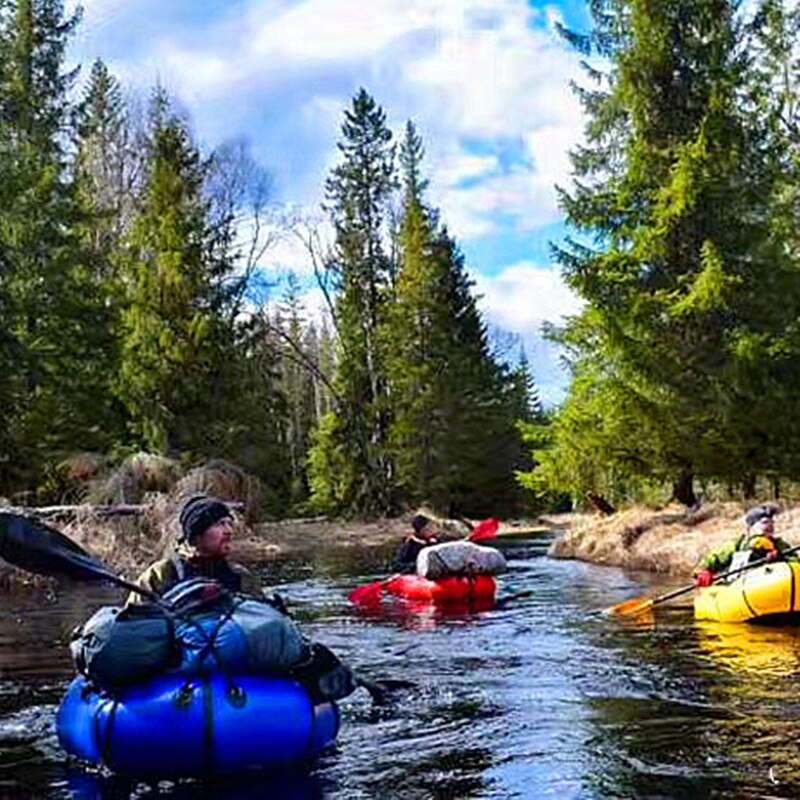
{"points": [[130, 543], [669, 540]]}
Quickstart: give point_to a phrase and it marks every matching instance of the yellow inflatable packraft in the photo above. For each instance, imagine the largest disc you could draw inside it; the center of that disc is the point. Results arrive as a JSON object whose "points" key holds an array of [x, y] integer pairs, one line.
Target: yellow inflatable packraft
{"points": [[757, 593]]}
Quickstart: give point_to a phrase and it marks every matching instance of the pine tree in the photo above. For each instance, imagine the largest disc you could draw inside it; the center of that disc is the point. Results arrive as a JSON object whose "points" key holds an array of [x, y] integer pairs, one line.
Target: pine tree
{"points": [[351, 468]]}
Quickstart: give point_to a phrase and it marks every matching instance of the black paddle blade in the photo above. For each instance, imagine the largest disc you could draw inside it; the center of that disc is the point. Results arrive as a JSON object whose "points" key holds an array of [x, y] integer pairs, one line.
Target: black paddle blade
{"points": [[30, 545]]}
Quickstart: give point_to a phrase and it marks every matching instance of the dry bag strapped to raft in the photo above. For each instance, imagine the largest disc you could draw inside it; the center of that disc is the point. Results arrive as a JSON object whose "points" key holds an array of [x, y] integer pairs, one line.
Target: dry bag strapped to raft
{"points": [[218, 631], [120, 646], [459, 558]]}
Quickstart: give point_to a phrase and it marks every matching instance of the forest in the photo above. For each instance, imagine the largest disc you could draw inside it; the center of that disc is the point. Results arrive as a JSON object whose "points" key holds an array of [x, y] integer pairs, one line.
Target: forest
{"points": [[683, 212], [136, 313]]}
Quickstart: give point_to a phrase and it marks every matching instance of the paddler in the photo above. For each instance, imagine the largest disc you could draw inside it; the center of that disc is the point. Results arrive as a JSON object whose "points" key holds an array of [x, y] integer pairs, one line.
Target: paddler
{"points": [[424, 535], [759, 541], [202, 550]]}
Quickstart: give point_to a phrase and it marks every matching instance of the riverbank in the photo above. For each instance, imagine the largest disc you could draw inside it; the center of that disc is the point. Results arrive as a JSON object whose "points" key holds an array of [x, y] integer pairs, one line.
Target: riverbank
{"points": [[131, 542], [670, 540]]}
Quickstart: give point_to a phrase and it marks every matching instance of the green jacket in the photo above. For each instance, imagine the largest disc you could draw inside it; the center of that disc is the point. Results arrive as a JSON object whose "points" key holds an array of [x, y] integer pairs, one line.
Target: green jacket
{"points": [[167, 572], [719, 560]]}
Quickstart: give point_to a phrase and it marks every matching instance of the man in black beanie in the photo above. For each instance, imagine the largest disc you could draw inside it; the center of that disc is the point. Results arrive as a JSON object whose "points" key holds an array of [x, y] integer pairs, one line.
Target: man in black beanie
{"points": [[203, 547], [423, 536]]}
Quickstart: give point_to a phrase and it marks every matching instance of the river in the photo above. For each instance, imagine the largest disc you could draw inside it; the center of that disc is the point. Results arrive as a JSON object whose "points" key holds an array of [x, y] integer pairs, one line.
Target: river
{"points": [[545, 697]]}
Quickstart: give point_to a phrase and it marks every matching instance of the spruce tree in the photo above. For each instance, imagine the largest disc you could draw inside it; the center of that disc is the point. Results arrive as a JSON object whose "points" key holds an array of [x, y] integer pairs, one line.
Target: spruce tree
{"points": [[673, 261], [175, 336], [47, 406], [454, 437], [351, 468]]}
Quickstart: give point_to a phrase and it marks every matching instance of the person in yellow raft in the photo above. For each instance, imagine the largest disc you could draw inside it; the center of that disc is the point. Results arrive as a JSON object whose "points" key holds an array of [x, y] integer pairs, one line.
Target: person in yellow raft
{"points": [[759, 541], [202, 551]]}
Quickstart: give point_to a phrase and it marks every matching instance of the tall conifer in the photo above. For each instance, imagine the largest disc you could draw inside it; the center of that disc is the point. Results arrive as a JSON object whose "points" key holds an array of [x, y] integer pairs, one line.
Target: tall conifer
{"points": [[45, 408], [672, 261], [454, 436], [174, 328], [351, 467]]}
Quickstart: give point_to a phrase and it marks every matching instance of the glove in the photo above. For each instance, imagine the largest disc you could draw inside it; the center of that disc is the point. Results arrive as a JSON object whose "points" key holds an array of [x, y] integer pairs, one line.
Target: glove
{"points": [[704, 578]]}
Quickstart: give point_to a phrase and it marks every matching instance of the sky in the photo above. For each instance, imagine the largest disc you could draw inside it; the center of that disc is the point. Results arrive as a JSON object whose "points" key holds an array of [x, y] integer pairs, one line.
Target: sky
{"points": [[485, 81]]}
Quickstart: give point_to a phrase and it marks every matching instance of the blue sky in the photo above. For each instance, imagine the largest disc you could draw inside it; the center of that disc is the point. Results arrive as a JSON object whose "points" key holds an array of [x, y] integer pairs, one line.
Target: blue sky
{"points": [[486, 82]]}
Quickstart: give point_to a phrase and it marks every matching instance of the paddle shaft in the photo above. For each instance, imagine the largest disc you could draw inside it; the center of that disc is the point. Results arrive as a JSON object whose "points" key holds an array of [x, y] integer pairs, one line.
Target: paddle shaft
{"points": [[722, 576]]}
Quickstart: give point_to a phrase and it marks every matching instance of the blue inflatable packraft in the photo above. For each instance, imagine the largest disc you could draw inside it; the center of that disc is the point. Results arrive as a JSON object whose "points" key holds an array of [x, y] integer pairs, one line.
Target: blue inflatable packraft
{"points": [[175, 727]]}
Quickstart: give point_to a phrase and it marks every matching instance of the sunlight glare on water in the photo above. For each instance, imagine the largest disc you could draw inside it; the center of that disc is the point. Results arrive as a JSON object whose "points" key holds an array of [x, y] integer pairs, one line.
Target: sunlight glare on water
{"points": [[544, 697]]}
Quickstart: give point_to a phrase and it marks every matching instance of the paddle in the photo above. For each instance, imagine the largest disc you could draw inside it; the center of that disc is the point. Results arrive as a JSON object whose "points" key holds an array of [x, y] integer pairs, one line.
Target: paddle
{"points": [[638, 605], [30, 545], [371, 593]]}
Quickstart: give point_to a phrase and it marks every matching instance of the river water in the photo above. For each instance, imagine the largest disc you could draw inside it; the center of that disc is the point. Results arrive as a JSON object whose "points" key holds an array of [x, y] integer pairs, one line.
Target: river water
{"points": [[543, 697]]}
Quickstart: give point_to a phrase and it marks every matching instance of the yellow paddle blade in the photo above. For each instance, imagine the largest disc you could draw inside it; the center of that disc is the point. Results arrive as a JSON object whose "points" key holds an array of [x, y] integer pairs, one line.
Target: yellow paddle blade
{"points": [[639, 605]]}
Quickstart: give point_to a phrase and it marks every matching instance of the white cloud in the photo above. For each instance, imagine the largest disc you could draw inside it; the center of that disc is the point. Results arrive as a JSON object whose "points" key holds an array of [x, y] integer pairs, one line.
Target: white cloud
{"points": [[490, 71], [331, 30], [524, 296], [519, 300]]}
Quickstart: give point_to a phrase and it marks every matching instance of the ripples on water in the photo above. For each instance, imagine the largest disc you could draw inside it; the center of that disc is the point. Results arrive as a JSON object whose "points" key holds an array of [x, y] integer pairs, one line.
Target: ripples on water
{"points": [[545, 697]]}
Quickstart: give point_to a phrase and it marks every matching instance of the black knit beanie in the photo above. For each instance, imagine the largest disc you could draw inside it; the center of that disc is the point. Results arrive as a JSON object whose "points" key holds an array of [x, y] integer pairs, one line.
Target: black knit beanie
{"points": [[198, 514], [419, 522]]}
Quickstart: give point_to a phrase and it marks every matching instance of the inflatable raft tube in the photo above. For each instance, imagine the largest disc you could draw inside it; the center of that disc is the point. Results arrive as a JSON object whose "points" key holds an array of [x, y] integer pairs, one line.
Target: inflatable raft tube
{"points": [[769, 592], [454, 589], [172, 727]]}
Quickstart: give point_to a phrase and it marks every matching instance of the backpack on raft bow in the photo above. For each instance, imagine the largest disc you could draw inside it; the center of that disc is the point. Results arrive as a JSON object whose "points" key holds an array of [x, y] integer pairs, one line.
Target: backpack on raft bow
{"points": [[459, 558], [207, 630], [121, 646]]}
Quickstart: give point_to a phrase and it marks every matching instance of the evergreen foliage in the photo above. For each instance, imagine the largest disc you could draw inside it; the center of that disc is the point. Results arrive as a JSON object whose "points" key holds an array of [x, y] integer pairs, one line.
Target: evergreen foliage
{"points": [[453, 436], [45, 350], [174, 337], [358, 192], [688, 332], [132, 316]]}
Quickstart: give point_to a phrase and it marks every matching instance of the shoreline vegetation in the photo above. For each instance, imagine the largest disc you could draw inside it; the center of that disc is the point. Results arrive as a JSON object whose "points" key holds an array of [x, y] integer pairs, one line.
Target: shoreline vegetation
{"points": [[130, 541], [668, 540]]}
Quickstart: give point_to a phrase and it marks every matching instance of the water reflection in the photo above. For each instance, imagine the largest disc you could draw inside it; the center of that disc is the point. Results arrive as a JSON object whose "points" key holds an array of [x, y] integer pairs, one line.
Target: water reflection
{"points": [[698, 710], [541, 697], [761, 649], [298, 785], [420, 615]]}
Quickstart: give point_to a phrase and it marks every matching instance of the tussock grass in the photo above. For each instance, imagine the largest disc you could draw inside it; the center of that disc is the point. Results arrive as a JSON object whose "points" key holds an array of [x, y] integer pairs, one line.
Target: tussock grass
{"points": [[669, 540], [138, 476], [224, 480]]}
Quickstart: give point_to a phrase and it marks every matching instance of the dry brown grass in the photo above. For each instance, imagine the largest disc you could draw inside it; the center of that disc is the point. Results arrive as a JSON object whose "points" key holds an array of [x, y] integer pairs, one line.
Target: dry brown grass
{"points": [[669, 540], [140, 475], [224, 480]]}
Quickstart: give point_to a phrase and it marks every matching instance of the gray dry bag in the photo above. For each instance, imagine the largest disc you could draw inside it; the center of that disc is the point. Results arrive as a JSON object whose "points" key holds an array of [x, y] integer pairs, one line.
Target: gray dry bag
{"points": [[120, 646]]}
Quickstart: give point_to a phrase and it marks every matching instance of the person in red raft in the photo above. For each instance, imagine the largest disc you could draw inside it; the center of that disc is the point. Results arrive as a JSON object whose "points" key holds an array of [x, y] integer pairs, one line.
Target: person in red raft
{"points": [[759, 541], [423, 536]]}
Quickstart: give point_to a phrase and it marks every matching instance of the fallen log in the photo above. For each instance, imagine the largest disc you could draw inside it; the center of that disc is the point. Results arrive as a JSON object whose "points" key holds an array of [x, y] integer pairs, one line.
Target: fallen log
{"points": [[118, 510]]}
